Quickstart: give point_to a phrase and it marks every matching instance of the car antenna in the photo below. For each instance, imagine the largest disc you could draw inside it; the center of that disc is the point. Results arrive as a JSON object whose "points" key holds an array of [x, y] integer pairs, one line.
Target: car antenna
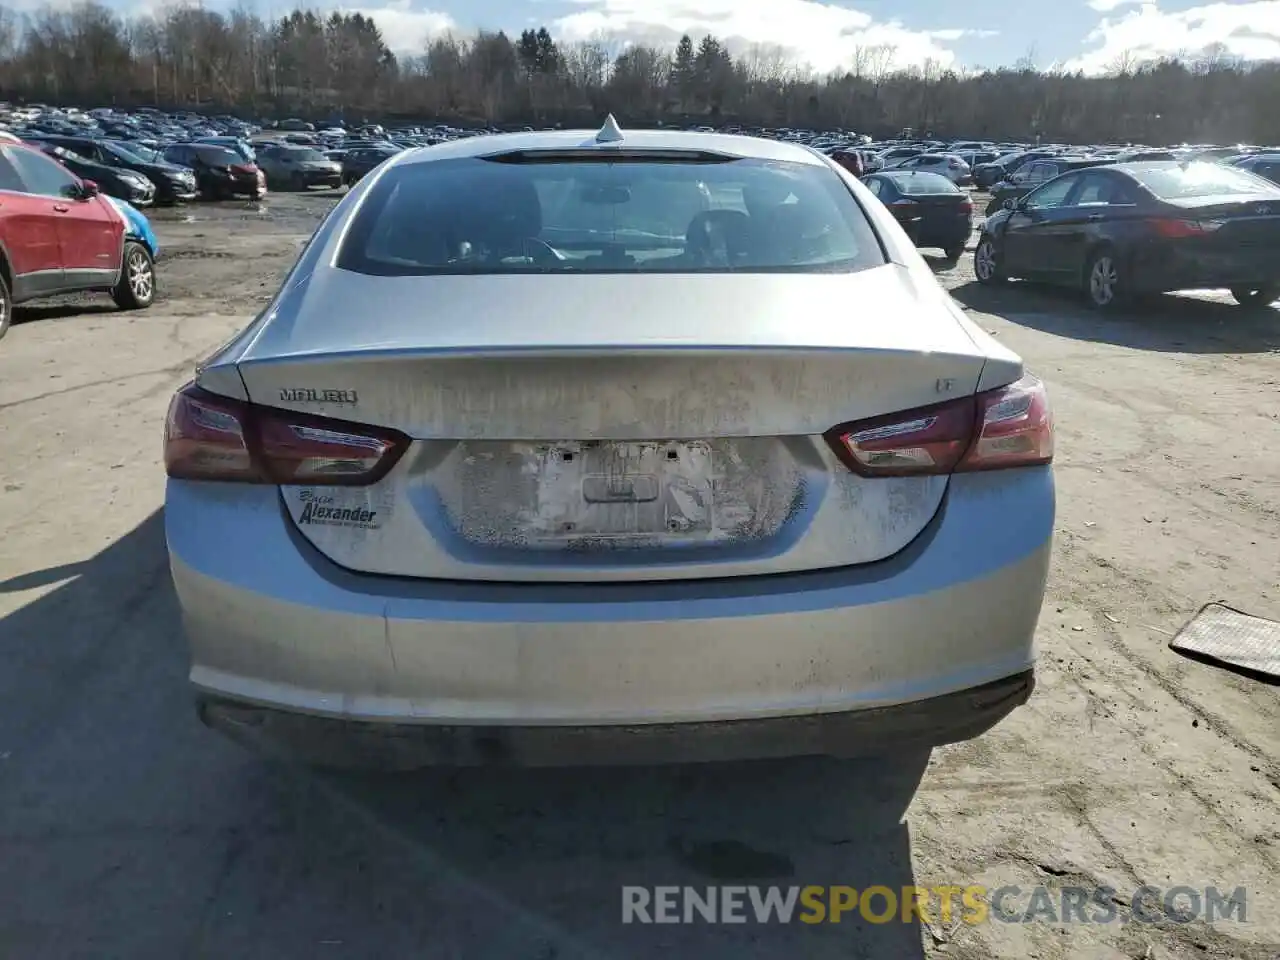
{"points": [[610, 132]]}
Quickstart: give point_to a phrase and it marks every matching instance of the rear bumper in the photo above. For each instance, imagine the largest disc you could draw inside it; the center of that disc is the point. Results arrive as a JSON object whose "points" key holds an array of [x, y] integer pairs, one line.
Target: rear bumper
{"points": [[403, 746], [273, 624], [942, 233]]}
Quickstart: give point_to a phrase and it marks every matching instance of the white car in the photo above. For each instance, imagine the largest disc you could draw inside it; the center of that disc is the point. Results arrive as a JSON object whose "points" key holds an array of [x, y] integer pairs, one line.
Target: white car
{"points": [[949, 165]]}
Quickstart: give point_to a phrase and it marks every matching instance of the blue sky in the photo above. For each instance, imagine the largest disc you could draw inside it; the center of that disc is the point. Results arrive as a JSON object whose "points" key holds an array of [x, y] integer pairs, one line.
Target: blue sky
{"points": [[1084, 34]]}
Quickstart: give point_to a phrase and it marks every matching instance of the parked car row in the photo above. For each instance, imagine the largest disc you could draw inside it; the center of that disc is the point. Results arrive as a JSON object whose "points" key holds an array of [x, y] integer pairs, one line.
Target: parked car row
{"points": [[1118, 231]]}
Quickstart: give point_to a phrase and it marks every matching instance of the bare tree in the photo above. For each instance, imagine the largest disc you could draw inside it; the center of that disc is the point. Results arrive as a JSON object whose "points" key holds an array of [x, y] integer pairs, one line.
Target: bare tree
{"points": [[313, 63], [1123, 64]]}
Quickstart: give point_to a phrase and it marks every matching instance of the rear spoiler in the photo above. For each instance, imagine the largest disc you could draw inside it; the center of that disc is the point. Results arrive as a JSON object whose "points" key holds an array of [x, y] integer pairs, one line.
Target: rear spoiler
{"points": [[609, 155]]}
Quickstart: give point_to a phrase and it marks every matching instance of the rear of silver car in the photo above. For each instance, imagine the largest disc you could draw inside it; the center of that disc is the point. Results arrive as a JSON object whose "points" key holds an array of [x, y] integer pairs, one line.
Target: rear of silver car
{"points": [[541, 512]]}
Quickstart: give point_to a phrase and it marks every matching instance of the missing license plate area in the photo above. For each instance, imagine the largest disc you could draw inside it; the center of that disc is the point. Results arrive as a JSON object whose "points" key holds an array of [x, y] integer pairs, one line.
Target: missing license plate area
{"points": [[617, 495], [624, 491]]}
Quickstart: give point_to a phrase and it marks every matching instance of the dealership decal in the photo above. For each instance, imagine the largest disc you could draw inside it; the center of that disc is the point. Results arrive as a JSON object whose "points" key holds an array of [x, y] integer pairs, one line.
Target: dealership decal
{"points": [[322, 510]]}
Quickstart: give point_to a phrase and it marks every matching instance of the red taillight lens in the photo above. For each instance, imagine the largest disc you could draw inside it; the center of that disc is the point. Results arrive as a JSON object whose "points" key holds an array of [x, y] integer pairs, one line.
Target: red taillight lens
{"points": [[1014, 428], [1007, 427], [204, 438], [928, 440], [208, 437], [1178, 229], [966, 206]]}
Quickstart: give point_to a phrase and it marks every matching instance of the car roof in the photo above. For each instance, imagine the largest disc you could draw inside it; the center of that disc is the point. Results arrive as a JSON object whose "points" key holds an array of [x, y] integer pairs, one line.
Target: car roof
{"points": [[906, 177], [733, 145]]}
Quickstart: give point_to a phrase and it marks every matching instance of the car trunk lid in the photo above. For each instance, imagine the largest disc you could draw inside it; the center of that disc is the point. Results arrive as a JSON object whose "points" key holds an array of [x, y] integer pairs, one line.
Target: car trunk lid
{"points": [[642, 441]]}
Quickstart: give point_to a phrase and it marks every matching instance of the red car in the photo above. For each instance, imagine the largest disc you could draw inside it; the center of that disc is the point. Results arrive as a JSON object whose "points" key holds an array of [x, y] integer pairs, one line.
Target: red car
{"points": [[59, 235]]}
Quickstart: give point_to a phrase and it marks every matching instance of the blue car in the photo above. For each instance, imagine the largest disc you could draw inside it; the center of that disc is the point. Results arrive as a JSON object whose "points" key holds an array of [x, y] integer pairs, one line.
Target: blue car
{"points": [[137, 226]]}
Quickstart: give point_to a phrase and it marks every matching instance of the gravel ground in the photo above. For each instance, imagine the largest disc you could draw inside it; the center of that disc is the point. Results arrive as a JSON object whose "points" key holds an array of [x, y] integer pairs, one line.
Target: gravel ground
{"points": [[129, 831]]}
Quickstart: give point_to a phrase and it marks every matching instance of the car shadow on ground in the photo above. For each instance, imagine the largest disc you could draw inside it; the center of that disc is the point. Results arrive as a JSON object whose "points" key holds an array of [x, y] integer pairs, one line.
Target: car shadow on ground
{"points": [[1170, 322], [130, 830], [61, 310]]}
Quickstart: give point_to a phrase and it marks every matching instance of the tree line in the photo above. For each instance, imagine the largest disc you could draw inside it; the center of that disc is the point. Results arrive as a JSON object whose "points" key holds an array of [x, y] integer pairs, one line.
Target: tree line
{"points": [[338, 65]]}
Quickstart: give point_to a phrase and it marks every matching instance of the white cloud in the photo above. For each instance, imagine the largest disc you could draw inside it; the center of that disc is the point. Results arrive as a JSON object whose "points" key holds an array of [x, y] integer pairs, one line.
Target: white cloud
{"points": [[1106, 6], [1250, 31], [404, 29], [821, 34], [953, 35]]}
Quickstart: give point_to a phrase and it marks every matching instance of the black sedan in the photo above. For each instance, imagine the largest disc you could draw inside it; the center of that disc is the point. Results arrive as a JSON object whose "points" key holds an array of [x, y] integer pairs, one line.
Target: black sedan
{"points": [[1127, 230], [1031, 175], [932, 210], [173, 183], [220, 173], [359, 161], [986, 175], [113, 181]]}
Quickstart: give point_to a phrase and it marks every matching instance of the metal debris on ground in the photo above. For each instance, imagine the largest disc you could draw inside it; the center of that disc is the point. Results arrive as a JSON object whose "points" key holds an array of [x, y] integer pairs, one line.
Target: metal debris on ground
{"points": [[1218, 634]]}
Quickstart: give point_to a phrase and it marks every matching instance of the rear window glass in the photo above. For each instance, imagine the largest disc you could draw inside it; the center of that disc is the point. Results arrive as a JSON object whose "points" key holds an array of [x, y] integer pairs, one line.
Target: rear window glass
{"points": [[923, 183], [622, 216], [1177, 181]]}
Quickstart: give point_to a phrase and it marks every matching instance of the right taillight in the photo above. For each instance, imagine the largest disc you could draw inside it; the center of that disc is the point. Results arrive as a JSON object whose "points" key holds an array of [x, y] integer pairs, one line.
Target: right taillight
{"points": [[210, 437], [1014, 428], [1011, 426], [1176, 229]]}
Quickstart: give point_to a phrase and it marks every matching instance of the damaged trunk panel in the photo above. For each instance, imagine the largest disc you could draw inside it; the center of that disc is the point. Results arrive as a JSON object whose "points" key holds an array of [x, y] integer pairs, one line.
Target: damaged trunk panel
{"points": [[614, 468]]}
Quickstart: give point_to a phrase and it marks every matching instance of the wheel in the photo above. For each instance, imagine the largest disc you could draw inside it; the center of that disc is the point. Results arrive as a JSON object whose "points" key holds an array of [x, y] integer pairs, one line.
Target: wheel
{"points": [[1256, 296], [1103, 280], [955, 252], [6, 306], [137, 285], [986, 262]]}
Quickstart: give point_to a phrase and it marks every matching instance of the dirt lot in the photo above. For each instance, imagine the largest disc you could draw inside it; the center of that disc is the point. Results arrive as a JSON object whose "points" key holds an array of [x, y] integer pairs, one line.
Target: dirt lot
{"points": [[129, 831]]}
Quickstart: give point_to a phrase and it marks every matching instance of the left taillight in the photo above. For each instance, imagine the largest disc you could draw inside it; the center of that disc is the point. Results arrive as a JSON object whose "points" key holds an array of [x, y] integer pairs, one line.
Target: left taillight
{"points": [[1010, 426], [210, 437]]}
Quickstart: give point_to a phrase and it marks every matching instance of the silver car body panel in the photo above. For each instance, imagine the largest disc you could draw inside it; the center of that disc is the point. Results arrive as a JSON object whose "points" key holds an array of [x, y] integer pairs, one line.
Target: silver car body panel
{"points": [[270, 621], [751, 369]]}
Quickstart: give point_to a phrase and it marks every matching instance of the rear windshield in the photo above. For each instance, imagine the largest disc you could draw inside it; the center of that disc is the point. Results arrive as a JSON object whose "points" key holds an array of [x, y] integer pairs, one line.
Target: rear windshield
{"points": [[1177, 181], [923, 183], [621, 216]]}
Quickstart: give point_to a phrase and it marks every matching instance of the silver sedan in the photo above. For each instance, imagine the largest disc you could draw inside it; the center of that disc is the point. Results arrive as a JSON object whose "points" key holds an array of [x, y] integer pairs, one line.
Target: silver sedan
{"points": [[575, 447]]}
